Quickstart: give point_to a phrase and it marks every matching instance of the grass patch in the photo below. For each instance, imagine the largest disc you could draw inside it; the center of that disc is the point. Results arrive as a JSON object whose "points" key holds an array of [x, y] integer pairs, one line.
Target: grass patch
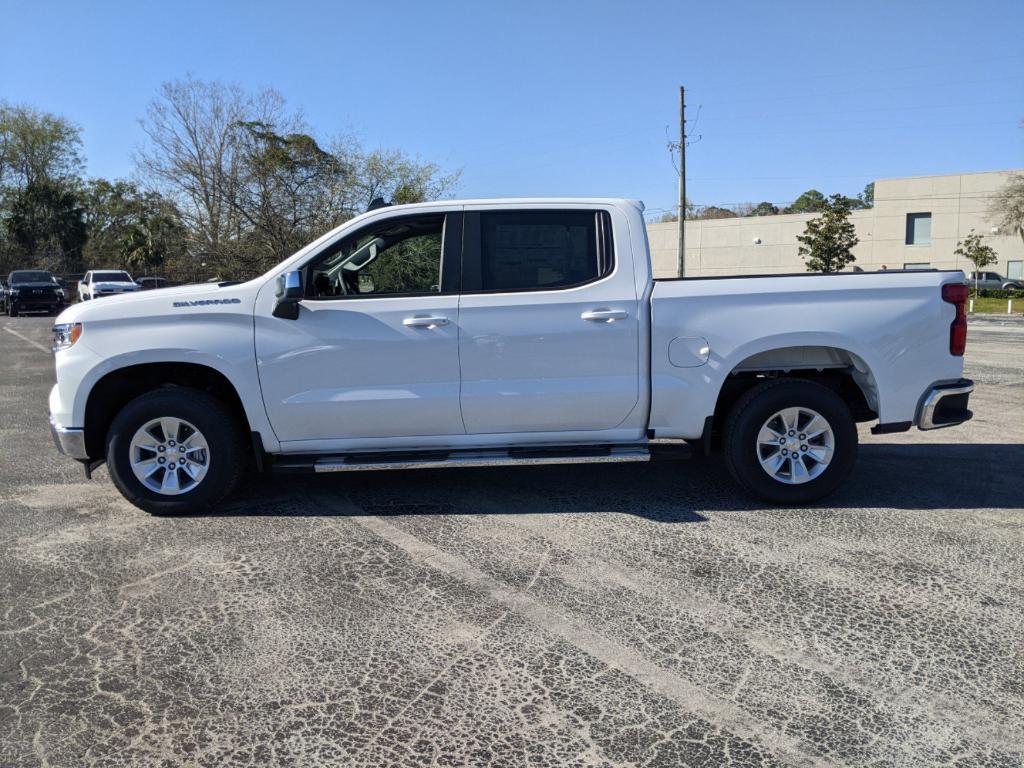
{"points": [[997, 306]]}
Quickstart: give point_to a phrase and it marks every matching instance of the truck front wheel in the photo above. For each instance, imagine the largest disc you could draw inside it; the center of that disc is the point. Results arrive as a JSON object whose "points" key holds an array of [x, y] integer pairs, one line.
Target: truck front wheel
{"points": [[790, 441], [175, 451]]}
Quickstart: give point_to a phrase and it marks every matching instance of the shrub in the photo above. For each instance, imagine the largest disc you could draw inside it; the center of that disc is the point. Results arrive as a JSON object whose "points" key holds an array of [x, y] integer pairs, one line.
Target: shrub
{"points": [[993, 293]]}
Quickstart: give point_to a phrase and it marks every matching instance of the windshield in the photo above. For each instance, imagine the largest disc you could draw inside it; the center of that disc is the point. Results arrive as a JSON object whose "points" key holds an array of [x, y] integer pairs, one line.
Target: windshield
{"points": [[111, 277], [31, 277]]}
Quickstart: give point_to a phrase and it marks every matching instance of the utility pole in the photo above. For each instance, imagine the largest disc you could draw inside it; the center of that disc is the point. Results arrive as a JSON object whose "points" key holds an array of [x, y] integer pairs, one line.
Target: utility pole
{"points": [[681, 263]]}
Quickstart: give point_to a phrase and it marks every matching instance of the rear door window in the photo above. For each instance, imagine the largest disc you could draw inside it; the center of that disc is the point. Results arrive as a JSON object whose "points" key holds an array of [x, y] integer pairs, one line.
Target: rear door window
{"points": [[510, 251]]}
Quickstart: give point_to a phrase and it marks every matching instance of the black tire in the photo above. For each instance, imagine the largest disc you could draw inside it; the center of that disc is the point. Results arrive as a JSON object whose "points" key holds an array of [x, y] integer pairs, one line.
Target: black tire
{"points": [[12, 311], [223, 433], [751, 412]]}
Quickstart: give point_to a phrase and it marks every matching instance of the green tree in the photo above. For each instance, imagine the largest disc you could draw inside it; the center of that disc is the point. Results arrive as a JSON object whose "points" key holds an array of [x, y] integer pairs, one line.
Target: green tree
{"points": [[811, 201], [150, 240], [867, 197], [128, 228], [37, 146], [715, 212], [827, 243], [288, 190], [40, 158], [764, 209], [398, 178], [976, 252], [47, 223], [253, 183]]}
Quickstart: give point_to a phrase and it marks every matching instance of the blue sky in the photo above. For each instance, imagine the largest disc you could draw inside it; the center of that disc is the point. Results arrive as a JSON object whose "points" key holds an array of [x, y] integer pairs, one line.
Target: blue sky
{"points": [[565, 98]]}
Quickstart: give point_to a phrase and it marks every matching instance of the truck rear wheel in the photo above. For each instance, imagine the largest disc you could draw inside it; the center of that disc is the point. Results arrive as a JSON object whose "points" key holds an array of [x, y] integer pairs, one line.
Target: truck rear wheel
{"points": [[790, 441], [175, 451]]}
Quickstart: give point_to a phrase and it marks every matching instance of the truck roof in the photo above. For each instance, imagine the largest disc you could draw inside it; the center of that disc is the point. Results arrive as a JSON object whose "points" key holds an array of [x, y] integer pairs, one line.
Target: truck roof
{"points": [[618, 201]]}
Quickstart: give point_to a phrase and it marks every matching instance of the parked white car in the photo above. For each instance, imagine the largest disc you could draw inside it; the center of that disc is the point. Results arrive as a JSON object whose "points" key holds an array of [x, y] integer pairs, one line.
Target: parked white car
{"points": [[103, 282], [501, 332]]}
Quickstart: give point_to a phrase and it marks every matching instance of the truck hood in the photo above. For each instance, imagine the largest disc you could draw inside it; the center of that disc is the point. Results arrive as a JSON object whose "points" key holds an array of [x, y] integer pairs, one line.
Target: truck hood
{"points": [[141, 304], [24, 286], [123, 285]]}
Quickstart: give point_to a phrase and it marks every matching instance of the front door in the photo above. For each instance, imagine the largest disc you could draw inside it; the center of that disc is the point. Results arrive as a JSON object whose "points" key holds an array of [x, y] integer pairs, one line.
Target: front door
{"points": [[374, 351], [549, 326]]}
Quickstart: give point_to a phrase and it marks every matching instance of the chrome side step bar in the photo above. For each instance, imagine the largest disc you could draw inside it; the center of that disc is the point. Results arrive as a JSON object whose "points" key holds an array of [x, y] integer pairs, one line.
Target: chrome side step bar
{"points": [[485, 458]]}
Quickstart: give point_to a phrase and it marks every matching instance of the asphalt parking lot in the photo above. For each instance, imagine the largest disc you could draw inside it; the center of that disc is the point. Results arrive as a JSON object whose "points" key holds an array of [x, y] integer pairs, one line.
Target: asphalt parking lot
{"points": [[615, 615]]}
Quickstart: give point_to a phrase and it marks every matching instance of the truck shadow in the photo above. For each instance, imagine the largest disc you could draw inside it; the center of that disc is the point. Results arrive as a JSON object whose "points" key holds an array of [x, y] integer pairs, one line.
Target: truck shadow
{"points": [[887, 476]]}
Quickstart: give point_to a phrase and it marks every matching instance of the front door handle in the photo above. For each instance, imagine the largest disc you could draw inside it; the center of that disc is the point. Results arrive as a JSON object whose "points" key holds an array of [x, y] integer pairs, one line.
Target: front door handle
{"points": [[424, 322], [605, 315]]}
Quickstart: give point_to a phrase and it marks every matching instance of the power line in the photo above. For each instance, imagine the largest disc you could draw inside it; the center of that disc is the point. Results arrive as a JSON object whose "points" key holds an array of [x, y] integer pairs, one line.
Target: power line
{"points": [[881, 70], [803, 96], [860, 110], [862, 128], [915, 198]]}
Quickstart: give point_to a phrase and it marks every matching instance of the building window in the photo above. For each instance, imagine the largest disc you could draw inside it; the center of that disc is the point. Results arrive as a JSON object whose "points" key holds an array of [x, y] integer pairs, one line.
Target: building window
{"points": [[1014, 270], [919, 229], [917, 265]]}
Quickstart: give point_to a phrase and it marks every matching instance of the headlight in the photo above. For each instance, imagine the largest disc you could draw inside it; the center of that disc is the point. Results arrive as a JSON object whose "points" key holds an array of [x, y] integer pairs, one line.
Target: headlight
{"points": [[60, 292], [13, 291], [65, 335]]}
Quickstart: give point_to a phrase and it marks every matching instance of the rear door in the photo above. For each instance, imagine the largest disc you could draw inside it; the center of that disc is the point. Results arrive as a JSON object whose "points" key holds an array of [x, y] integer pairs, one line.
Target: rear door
{"points": [[548, 320]]}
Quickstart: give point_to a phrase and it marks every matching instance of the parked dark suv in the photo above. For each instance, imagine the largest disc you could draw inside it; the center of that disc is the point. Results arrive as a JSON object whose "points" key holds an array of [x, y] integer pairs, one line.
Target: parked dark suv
{"points": [[33, 290]]}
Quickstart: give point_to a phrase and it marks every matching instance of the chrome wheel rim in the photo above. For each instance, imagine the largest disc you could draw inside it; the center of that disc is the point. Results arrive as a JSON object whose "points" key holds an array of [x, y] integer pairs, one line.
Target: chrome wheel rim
{"points": [[795, 445], [169, 456]]}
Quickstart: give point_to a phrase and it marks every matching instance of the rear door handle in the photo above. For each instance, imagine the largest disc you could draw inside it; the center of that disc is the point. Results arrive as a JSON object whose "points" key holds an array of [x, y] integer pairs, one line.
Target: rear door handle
{"points": [[605, 315], [424, 322]]}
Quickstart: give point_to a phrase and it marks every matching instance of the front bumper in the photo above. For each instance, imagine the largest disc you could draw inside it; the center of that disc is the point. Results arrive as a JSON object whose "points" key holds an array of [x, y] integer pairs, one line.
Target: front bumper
{"points": [[69, 440], [945, 405], [34, 304]]}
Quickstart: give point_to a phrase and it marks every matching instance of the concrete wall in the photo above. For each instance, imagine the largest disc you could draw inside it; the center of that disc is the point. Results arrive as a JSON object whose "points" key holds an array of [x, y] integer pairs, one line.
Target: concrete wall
{"points": [[956, 203]]}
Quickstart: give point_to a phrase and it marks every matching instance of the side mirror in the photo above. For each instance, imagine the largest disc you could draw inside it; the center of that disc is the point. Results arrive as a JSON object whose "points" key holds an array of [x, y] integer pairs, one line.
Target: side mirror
{"points": [[289, 293]]}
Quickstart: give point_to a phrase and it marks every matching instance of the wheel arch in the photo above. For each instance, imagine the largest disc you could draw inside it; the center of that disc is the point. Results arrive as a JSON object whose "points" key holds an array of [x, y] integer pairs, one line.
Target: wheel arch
{"points": [[844, 371], [118, 387]]}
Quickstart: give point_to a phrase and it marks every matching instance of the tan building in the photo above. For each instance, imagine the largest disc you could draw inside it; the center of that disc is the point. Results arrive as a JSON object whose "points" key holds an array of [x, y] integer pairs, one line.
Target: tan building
{"points": [[915, 223]]}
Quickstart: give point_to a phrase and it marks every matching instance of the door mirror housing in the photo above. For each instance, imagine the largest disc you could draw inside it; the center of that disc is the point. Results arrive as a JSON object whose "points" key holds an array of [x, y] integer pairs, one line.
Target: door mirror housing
{"points": [[289, 293]]}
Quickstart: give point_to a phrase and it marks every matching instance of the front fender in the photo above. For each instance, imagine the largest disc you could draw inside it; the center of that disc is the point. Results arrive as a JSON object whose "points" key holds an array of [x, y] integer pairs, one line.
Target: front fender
{"points": [[220, 341]]}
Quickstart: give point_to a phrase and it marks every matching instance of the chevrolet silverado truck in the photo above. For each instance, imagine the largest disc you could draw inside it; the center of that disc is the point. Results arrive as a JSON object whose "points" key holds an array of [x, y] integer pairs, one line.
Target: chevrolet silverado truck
{"points": [[501, 332]]}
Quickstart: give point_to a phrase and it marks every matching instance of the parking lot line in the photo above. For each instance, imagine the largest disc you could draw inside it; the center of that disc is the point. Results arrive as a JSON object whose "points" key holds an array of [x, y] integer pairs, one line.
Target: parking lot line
{"points": [[23, 337]]}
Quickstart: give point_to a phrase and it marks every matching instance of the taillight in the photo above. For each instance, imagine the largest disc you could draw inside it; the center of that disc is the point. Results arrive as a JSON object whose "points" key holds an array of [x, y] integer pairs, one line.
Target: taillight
{"points": [[956, 294]]}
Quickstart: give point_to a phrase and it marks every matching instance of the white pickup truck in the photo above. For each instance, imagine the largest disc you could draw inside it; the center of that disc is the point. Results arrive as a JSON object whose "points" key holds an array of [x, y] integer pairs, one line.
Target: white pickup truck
{"points": [[501, 332], [105, 282]]}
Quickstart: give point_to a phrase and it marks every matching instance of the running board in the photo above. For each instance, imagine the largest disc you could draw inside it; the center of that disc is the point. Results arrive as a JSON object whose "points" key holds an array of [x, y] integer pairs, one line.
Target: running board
{"points": [[361, 462]]}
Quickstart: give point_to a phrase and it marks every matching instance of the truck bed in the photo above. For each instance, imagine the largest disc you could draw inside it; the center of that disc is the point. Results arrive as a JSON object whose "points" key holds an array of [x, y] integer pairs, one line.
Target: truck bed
{"points": [[890, 329]]}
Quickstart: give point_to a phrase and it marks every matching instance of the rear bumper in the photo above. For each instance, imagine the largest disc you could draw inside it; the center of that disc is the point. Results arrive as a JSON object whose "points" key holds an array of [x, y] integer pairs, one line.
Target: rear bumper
{"points": [[945, 405], [69, 441]]}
